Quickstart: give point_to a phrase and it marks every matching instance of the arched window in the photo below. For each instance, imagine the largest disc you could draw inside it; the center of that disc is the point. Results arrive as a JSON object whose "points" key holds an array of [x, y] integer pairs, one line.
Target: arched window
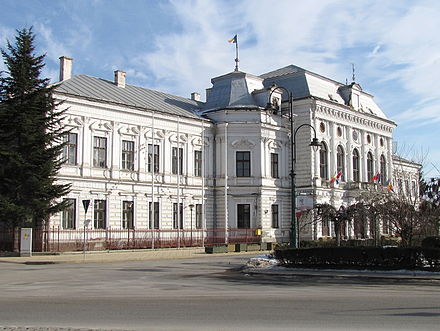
{"points": [[383, 169], [340, 161], [370, 168], [323, 164], [355, 165]]}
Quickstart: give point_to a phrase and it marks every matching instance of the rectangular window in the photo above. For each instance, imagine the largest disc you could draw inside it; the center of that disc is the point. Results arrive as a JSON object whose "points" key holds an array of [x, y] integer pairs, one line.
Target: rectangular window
{"points": [[127, 155], [275, 220], [325, 228], [175, 216], [177, 160], [385, 226], [243, 216], [199, 216], [153, 158], [69, 214], [243, 164], [99, 214], [127, 214], [274, 165], [198, 163], [100, 152], [70, 148], [153, 223]]}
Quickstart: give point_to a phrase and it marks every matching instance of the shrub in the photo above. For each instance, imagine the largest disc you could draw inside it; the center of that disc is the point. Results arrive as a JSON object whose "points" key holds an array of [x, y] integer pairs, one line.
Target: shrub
{"points": [[431, 242], [362, 258]]}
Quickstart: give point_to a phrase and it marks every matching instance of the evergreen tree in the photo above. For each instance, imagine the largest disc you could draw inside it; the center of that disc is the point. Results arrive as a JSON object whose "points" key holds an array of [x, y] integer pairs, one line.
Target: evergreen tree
{"points": [[30, 138]]}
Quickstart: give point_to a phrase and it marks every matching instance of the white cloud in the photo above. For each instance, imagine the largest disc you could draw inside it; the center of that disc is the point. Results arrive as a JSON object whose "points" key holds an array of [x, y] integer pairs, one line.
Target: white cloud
{"points": [[316, 35], [54, 48]]}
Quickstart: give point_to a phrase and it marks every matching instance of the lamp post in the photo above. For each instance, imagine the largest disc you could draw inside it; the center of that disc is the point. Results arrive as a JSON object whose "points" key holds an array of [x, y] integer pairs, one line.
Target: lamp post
{"points": [[314, 143]]}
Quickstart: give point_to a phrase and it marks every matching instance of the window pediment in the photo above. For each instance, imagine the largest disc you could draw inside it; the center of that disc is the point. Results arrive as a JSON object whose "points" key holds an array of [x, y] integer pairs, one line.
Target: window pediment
{"points": [[243, 143]]}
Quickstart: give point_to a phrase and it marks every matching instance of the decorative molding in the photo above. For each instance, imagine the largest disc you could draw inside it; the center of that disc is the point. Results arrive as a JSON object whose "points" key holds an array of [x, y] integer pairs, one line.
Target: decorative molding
{"points": [[275, 144], [243, 143], [75, 121], [129, 130], [197, 141], [182, 138], [101, 125]]}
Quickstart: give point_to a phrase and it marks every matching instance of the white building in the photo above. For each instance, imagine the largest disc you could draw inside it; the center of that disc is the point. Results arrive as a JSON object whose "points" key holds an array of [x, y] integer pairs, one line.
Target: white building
{"points": [[141, 156]]}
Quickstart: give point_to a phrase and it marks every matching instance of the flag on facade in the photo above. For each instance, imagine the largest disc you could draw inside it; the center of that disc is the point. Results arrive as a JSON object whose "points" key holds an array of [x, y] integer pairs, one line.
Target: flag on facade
{"points": [[233, 40], [376, 178], [390, 187], [336, 178]]}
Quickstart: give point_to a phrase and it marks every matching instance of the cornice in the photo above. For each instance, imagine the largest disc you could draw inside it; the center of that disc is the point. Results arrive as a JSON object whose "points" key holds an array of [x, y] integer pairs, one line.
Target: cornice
{"points": [[371, 121]]}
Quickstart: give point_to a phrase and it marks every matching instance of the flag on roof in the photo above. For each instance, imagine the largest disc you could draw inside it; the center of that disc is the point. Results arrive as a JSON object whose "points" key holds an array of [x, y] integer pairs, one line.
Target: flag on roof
{"points": [[233, 40]]}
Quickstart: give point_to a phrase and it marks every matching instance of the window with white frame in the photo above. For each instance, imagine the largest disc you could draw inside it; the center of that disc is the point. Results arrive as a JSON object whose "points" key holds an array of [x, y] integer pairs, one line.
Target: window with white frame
{"points": [[127, 155], [70, 141], [243, 164], [127, 215], [153, 158], [153, 209], [383, 169], [177, 160], [198, 163], [177, 215], [323, 161], [370, 167], [199, 216], [100, 152], [340, 161], [69, 214], [99, 214], [274, 165], [243, 216], [355, 163], [275, 216]]}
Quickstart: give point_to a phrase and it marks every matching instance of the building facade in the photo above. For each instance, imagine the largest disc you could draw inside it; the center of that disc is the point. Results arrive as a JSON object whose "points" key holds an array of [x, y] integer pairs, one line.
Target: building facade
{"points": [[150, 160]]}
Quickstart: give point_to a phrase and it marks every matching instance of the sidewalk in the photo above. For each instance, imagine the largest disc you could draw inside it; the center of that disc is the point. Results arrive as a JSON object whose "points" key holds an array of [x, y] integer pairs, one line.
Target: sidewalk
{"points": [[119, 256]]}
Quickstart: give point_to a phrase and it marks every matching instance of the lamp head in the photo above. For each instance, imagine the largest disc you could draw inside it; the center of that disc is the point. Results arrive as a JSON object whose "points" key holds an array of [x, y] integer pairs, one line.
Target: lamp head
{"points": [[315, 144]]}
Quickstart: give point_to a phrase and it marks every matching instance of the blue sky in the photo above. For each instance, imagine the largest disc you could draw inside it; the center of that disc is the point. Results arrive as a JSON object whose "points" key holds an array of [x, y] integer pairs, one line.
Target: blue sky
{"points": [[178, 46]]}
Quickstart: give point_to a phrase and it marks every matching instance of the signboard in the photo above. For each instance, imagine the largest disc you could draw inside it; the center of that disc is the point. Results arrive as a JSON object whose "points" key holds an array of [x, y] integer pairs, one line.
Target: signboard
{"points": [[304, 202], [86, 204], [26, 242]]}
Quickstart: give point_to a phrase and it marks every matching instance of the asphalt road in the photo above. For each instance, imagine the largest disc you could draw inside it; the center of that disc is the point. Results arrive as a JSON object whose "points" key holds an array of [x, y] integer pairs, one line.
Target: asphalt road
{"points": [[207, 293]]}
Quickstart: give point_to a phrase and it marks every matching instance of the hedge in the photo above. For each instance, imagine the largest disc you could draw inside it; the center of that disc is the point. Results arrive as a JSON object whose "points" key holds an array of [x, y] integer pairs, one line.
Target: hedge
{"points": [[375, 258]]}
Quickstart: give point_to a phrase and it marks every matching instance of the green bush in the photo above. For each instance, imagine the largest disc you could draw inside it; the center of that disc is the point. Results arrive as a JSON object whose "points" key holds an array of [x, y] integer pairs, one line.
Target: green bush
{"points": [[378, 258], [431, 242]]}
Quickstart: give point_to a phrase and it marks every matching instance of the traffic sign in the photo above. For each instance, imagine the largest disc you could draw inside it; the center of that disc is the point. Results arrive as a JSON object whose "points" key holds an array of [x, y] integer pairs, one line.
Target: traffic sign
{"points": [[86, 204]]}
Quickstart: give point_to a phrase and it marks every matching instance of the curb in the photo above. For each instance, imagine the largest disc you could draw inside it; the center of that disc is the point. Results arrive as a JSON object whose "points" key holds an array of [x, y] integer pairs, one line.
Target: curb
{"points": [[347, 274]]}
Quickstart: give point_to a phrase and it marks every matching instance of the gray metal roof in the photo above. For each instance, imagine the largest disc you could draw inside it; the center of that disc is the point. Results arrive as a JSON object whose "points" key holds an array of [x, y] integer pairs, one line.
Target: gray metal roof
{"points": [[303, 83], [290, 69], [130, 95], [233, 90]]}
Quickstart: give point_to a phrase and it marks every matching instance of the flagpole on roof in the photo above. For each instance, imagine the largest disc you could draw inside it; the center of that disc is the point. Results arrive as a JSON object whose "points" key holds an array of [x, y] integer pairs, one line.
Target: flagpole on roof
{"points": [[236, 53], [235, 41]]}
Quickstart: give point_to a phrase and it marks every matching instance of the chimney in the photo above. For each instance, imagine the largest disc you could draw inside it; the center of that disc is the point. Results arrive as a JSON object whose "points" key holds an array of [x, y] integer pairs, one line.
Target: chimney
{"points": [[120, 78], [65, 68], [195, 96]]}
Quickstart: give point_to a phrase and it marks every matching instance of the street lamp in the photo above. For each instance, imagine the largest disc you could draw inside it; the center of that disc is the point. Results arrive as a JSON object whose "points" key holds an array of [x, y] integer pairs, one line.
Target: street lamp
{"points": [[314, 143]]}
